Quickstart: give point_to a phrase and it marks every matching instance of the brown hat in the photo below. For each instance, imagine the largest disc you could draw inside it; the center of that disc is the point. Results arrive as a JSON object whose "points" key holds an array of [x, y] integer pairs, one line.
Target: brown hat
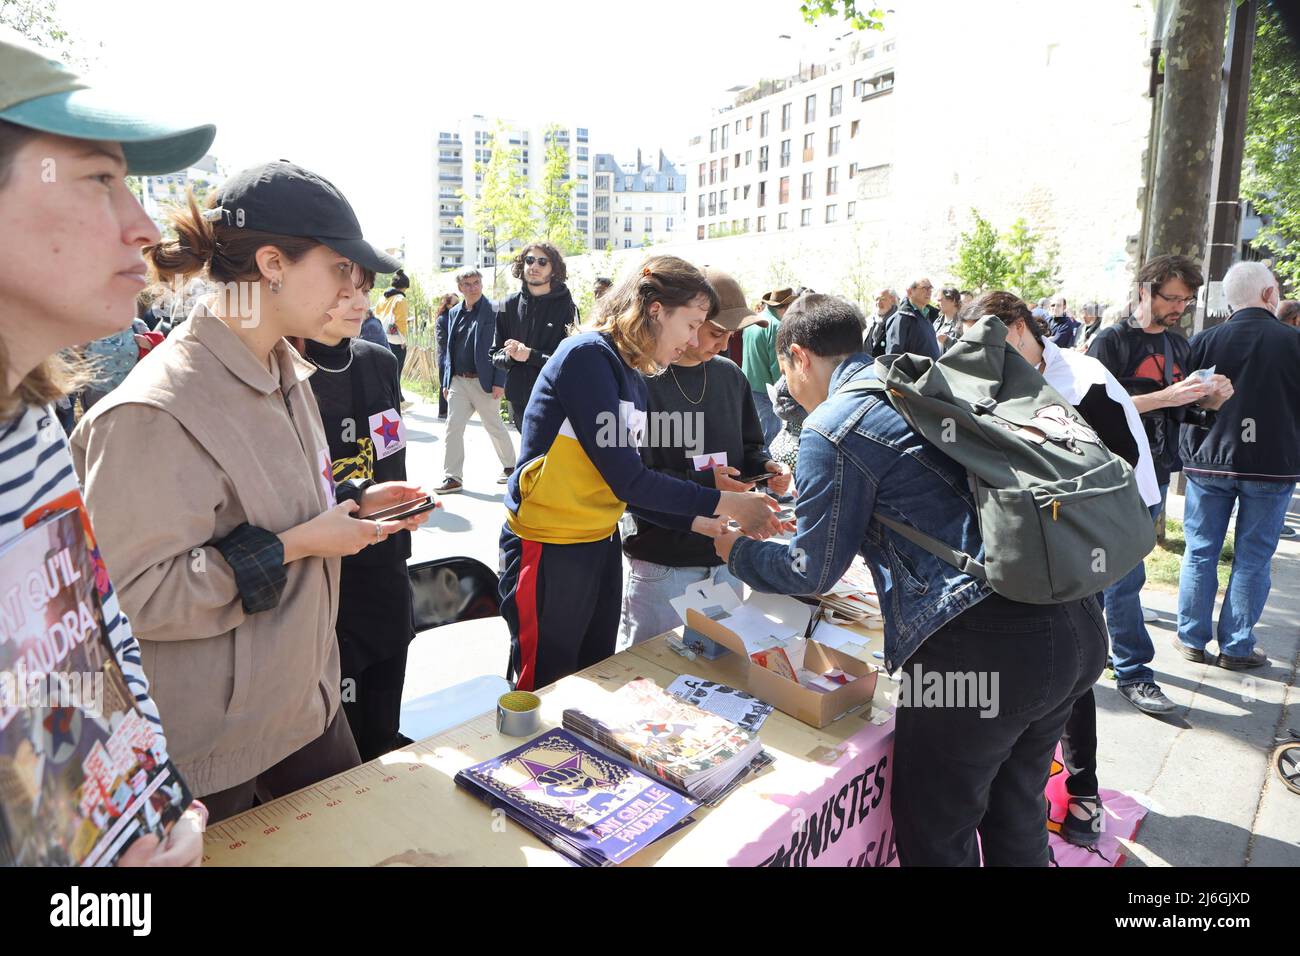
{"points": [[779, 298], [733, 314]]}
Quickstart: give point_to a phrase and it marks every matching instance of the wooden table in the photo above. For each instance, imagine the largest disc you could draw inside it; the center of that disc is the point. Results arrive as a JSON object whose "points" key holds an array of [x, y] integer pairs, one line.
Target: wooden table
{"points": [[404, 809]]}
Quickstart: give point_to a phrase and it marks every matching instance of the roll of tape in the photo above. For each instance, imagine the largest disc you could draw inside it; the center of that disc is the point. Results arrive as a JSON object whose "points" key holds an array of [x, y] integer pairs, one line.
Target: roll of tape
{"points": [[519, 714]]}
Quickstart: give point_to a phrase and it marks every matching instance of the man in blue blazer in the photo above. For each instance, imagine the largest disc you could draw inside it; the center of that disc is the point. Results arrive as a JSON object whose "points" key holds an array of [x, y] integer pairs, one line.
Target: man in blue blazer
{"points": [[469, 382]]}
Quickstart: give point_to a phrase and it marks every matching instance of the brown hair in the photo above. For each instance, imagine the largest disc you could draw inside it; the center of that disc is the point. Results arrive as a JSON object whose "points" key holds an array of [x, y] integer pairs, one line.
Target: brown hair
{"points": [[1288, 311], [57, 374], [559, 271], [1009, 308], [624, 312], [1161, 269], [221, 252]]}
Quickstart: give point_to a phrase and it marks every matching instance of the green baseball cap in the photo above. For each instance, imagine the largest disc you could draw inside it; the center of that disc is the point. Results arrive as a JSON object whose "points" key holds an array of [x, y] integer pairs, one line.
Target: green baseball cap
{"points": [[42, 93]]}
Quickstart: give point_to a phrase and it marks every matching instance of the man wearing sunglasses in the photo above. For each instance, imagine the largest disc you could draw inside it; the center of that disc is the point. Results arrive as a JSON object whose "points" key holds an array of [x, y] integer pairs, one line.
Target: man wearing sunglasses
{"points": [[1152, 360], [532, 322]]}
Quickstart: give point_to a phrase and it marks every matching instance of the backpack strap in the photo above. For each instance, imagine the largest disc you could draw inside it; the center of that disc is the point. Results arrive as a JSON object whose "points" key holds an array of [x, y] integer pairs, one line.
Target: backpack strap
{"points": [[958, 559]]}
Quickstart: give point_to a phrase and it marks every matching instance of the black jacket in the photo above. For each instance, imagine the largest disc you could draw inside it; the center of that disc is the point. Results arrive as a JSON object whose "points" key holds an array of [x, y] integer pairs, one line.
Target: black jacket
{"points": [[1256, 435], [1137, 360], [541, 323], [911, 330], [874, 342]]}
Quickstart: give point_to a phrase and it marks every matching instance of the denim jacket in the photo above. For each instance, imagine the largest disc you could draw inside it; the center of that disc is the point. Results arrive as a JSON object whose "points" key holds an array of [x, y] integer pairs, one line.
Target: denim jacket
{"points": [[857, 457]]}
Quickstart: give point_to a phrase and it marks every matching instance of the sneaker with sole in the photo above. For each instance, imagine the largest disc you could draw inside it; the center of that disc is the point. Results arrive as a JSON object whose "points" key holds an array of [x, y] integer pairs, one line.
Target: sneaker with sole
{"points": [[1147, 697], [1082, 824], [505, 476], [1193, 654], [1150, 616], [449, 486], [1288, 531], [1252, 660]]}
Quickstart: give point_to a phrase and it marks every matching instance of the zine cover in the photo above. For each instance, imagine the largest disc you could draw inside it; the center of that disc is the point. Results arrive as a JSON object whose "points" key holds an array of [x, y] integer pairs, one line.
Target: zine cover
{"points": [[82, 772], [603, 809]]}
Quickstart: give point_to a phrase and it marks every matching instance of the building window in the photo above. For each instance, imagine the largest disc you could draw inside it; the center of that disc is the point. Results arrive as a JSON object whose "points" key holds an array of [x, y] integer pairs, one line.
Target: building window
{"points": [[785, 116], [735, 193], [668, 223], [853, 130], [602, 243], [833, 181], [713, 204], [860, 88], [582, 208], [784, 196], [807, 186], [649, 224], [713, 171], [713, 140], [749, 123], [699, 232], [763, 122], [602, 224], [722, 203], [805, 217], [830, 213], [889, 47], [785, 153], [870, 54], [701, 205], [808, 147], [833, 141], [782, 220], [725, 161], [749, 156], [737, 126], [582, 154], [810, 109], [762, 159], [627, 223], [627, 243], [761, 224], [602, 204], [850, 209], [837, 100], [762, 195], [725, 131]]}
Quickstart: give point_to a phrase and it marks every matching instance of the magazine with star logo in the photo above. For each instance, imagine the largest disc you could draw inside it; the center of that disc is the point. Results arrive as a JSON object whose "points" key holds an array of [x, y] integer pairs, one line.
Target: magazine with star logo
{"points": [[593, 808], [83, 773]]}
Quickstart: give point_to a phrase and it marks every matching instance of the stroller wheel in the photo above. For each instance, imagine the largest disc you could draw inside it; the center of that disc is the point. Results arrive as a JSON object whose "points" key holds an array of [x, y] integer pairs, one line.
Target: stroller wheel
{"points": [[1286, 761]]}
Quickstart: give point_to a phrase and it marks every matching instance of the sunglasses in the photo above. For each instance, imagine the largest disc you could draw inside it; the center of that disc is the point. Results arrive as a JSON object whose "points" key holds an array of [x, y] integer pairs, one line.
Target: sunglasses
{"points": [[539, 260]]}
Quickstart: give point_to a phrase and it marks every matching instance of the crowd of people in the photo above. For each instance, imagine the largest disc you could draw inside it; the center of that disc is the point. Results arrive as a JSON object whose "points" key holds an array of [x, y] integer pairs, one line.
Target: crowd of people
{"points": [[262, 617]]}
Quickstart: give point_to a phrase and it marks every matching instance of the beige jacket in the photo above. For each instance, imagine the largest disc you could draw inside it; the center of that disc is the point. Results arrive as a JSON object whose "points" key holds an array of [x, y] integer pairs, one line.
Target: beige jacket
{"points": [[194, 443]]}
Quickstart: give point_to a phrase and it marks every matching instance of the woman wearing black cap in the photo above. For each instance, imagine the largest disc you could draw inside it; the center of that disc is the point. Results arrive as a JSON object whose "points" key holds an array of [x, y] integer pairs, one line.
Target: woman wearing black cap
{"points": [[231, 576]]}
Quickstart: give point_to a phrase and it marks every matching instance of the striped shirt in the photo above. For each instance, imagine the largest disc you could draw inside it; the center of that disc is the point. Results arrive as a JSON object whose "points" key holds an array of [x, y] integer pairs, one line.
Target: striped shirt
{"points": [[36, 471]]}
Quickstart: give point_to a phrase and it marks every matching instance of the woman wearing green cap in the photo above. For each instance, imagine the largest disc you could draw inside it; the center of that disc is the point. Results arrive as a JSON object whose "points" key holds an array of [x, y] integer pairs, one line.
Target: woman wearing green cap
{"points": [[70, 269]]}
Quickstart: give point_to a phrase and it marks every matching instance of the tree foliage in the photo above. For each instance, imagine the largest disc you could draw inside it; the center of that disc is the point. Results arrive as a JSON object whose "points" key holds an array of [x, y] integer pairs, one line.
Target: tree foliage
{"points": [[1017, 260], [555, 204], [38, 21], [864, 18], [1269, 178], [501, 213]]}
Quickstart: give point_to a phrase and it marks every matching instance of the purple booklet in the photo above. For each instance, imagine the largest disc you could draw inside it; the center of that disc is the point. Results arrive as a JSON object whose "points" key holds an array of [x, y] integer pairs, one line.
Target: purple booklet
{"points": [[594, 809]]}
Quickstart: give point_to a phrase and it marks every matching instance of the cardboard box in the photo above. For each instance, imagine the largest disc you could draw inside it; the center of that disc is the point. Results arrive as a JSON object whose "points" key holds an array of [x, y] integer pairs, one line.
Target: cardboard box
{"points": [[812, 707]]}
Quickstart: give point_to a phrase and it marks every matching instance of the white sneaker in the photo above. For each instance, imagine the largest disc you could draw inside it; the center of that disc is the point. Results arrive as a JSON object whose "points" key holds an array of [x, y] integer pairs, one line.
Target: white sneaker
{"points": [[1149, 616]]}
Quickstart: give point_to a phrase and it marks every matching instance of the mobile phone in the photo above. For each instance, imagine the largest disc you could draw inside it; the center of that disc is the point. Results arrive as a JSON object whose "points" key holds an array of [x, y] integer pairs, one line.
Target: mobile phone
{"points": [[407, 509], [756, 479]]}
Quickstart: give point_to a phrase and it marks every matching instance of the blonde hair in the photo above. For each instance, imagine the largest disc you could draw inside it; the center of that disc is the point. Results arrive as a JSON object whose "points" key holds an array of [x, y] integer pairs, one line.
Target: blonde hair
{"points": [[624, 312]]}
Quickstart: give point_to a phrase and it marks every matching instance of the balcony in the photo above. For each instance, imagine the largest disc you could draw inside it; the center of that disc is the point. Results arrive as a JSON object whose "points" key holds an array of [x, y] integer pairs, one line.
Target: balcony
{"points": [[448, 178]]}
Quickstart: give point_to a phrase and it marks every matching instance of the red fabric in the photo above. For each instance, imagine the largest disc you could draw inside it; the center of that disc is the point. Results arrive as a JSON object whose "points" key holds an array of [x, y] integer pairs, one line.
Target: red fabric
{"points": [[530, 566]]}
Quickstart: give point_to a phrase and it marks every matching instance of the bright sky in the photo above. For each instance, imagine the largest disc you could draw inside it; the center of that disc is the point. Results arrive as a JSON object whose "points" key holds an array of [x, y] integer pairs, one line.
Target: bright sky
{"points": [[320, 83]]}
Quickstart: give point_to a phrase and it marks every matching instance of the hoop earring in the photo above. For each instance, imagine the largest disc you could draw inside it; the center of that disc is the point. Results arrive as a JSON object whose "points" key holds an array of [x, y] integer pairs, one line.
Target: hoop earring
{"points": [[275, 286]]}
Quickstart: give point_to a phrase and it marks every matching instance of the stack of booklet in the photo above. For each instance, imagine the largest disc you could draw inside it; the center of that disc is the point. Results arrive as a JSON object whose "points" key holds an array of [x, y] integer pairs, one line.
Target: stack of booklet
{"points": [[853, 599], [593, 809], [697, 753]]}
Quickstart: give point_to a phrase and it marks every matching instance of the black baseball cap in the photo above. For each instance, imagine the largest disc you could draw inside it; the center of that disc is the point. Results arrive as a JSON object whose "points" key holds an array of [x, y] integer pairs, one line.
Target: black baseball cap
{"points": [[283, 198]]}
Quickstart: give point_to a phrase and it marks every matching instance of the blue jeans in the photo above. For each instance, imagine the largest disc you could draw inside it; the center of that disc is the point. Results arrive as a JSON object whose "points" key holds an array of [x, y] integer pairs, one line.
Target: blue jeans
{"points": [[1260, 516], [1131, 649], [767, 417], [649, 588]]}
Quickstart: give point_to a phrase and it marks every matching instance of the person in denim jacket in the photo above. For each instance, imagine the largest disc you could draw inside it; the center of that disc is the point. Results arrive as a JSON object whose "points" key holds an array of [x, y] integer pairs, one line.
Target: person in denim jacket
{"points": [[960, 769]]}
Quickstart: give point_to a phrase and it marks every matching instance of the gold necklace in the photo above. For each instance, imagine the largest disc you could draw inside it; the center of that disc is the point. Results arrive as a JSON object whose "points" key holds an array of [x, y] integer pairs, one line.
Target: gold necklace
{"points": [[683, 391]]}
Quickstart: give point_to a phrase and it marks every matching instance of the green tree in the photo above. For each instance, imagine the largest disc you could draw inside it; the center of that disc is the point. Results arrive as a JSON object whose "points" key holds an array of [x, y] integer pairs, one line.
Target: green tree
{"points": [[555, 204], [38, 21], [981, 262], [1032, 273], [866, 18], [1273, 142], [502, 210]]}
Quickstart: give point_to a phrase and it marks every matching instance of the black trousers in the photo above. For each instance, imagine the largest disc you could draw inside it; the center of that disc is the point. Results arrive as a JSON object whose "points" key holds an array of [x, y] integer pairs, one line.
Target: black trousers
{"points": [[562, 604], [957, 773], [517, 415], [400, 352], [374, 705], [1079, 747]]}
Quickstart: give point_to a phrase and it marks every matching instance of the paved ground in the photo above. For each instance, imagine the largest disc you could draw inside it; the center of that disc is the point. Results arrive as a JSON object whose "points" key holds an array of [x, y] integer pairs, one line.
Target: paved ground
{"points": [[1203, 771]]}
